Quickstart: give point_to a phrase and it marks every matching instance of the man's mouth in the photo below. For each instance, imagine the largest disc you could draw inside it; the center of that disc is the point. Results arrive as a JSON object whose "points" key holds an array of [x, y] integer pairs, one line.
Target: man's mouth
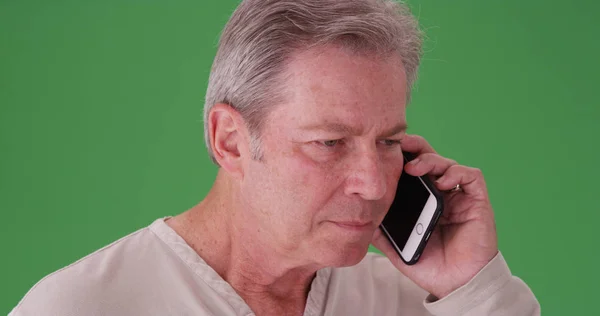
{"points": [[354, 225]]}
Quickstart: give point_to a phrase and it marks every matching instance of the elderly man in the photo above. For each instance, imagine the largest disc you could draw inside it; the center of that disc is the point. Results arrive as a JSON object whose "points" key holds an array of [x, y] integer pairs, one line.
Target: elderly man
{"points": [[305, 117]]}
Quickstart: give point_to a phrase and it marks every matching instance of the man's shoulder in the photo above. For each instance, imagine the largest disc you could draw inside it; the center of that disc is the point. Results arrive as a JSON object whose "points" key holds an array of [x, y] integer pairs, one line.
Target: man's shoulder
{"points": [[95, 279]]}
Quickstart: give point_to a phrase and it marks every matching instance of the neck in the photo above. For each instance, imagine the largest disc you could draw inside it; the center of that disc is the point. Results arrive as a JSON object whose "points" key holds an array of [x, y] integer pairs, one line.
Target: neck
{"points": [[226, 238]]}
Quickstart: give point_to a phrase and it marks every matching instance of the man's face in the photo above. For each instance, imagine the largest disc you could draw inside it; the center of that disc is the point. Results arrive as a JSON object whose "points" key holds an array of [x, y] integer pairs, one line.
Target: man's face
{"points": [[331, 158]]}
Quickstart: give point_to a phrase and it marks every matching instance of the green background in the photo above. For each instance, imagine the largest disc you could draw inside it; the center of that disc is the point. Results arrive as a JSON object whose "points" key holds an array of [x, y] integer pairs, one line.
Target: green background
{"points": [[101, 126]]}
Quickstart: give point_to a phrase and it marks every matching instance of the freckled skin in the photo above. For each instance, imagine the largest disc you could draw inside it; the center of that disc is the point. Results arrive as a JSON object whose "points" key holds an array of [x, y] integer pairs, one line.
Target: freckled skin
{"points": [[302, 186], [328, 175]]}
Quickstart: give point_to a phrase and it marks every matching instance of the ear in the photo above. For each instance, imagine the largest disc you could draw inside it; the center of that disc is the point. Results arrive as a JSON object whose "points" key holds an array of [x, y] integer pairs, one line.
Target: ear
{"points": [[228, 138]]}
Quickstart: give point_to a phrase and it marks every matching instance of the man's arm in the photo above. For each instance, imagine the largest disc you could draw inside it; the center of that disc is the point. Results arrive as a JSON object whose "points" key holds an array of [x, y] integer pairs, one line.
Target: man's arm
{"points": [[493, 291], [461, 264]]}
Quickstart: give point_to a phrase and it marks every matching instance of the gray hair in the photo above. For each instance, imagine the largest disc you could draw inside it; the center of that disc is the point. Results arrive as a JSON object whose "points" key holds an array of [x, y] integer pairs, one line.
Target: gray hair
{"points": [[261, 35]]}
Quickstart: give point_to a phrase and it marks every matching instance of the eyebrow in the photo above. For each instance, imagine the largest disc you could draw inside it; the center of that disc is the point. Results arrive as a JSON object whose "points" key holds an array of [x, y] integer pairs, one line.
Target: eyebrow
{"points": [[346, 129]]}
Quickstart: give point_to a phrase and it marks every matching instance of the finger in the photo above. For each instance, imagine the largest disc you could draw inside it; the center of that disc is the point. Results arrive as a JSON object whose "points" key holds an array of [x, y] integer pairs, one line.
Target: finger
{"points": [[416, 144], [430, 163], [470, 179]]}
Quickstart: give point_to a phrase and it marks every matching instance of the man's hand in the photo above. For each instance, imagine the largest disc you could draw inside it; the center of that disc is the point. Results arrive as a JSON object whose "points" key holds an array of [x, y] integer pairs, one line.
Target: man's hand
{"points": [[465, 239]]}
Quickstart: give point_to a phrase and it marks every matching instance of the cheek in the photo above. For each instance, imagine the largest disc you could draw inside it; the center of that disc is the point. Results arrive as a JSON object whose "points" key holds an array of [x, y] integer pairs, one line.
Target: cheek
{"points": [[311, 187], [315, 182], [392, 185], [291, 188], [393, 170]]}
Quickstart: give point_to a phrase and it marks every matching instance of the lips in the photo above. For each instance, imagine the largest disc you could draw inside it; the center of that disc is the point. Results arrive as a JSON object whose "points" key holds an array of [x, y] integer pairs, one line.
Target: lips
{"points": [[354, 225]]}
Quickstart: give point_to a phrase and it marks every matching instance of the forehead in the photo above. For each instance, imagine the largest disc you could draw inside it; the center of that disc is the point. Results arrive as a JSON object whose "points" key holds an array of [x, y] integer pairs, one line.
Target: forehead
{"points": [[332, 86]]}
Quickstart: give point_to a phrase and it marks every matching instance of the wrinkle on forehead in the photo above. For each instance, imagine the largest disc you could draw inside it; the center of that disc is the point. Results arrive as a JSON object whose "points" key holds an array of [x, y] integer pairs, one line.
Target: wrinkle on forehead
{"points": [[332, 86]]}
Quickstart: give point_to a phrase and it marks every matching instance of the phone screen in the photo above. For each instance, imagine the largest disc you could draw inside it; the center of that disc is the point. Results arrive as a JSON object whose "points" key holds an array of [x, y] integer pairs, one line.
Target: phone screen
{"points": [[411, 197]]}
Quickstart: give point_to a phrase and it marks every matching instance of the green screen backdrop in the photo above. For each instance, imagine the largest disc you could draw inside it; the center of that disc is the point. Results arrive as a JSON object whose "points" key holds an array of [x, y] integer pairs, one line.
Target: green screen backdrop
{"points": [[101, 127]]}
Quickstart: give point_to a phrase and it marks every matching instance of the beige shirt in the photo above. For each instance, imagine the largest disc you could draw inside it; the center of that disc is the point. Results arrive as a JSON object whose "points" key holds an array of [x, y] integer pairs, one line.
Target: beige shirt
{"points": [[154, 272]]}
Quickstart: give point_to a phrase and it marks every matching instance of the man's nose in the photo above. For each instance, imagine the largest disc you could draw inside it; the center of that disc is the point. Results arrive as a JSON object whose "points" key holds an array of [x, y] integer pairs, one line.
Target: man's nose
{"points": [[366, 177]]}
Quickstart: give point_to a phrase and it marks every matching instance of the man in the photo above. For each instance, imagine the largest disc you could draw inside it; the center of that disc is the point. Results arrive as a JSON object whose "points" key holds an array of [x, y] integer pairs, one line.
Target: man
{"points": [[305, 117]]}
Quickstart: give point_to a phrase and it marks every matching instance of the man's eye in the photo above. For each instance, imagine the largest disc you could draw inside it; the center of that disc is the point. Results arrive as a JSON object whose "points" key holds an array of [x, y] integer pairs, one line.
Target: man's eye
{"points": [[391, 142], [330, 143]]}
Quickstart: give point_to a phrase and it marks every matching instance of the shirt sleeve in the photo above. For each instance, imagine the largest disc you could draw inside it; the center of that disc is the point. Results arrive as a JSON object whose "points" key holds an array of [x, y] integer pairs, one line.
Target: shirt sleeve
{"points": [[493, 291]]}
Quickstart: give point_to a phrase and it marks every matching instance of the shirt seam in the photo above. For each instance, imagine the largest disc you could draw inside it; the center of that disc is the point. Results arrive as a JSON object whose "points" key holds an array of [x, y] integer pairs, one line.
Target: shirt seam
{"points": [[192, 269]]}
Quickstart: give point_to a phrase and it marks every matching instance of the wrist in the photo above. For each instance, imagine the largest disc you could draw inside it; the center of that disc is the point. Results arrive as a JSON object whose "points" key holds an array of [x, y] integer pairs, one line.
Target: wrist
{"points": [[446, 289], [478, 290], [440, 293]]}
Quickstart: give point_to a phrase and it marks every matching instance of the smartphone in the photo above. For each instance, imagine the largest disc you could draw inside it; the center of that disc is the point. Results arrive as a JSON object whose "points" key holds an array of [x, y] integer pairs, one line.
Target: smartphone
{"points": [[413, 215]]}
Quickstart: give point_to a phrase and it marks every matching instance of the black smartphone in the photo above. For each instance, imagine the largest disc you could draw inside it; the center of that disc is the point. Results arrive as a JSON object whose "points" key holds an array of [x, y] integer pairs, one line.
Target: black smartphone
{"points": [[413, 215]]}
